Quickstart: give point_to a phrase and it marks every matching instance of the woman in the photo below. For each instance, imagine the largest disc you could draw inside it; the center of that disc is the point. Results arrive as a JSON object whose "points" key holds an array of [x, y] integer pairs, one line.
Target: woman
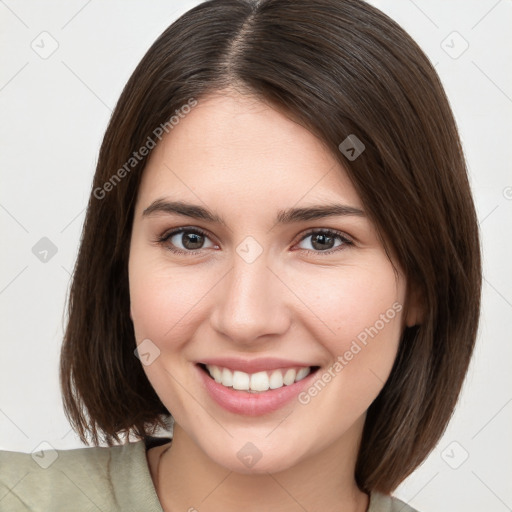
{"points": [[281, 251]]}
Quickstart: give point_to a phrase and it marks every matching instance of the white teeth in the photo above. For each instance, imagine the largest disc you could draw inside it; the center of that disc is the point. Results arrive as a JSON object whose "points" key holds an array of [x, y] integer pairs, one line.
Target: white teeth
{"points": [[241, 381], [303, 372], [260, 381], [289, 377], [216, 374], [257, 382], [227, 377], [276, 380]]}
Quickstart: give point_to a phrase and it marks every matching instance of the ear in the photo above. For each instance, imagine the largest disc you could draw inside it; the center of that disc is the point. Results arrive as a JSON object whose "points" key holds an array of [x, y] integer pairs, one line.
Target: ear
{"points": [[415, 311]]}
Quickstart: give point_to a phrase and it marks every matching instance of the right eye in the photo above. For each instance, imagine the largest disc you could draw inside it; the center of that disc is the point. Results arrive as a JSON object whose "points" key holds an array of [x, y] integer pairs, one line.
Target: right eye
{"points": [[184, 240]]}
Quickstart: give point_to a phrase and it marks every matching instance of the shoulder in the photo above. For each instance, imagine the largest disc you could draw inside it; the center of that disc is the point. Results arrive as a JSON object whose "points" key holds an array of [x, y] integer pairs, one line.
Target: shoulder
{"points": [[114, 478], [384, 503]]}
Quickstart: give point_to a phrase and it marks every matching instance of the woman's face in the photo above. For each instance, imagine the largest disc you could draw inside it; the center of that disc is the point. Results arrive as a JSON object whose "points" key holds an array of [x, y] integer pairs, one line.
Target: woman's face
{"points": [[299, 310]]}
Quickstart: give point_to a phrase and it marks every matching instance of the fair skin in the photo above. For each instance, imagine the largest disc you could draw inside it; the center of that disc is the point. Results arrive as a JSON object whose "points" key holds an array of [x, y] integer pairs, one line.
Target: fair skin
{"points": [[245, 161]]}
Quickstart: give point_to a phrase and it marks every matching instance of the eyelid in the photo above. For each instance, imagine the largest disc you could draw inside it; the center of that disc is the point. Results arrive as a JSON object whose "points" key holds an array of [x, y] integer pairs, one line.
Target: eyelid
{"points": [[168, 233], [337, 232]]}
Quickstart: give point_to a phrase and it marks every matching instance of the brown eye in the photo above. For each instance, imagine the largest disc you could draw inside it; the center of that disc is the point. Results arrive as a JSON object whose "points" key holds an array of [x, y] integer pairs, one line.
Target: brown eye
{"points": [[322, 242], [185, 240], [325, 241], [191, 241]]}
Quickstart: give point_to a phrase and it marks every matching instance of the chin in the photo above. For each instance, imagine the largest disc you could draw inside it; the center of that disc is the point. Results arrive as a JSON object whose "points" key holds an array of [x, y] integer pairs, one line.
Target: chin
{"points": [[250, 461]]}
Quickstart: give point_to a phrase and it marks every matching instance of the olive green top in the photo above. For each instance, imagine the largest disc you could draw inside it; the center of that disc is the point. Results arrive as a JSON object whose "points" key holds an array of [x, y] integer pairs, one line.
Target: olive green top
{"points": [[97, 479]]}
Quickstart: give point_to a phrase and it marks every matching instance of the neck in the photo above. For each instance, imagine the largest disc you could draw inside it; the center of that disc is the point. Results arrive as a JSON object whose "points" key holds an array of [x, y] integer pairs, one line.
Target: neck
{"points": [[187, 479]]}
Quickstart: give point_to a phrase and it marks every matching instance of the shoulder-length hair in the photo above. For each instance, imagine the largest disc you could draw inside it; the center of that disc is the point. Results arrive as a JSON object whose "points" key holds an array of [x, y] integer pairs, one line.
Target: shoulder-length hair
{"points": [[338, 67]]}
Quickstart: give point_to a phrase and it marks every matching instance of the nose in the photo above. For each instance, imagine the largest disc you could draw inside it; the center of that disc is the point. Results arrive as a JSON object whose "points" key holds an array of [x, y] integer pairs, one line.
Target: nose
{"points": [[251, 303]]}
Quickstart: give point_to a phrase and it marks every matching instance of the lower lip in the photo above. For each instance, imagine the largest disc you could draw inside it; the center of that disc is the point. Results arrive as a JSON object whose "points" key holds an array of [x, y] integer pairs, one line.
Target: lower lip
{"points": [[252, 404]]}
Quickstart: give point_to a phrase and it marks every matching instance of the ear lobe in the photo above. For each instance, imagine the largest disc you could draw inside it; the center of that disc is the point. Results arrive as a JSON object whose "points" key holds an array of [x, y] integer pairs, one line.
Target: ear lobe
{"points": [[415, 311], [412, 317]]}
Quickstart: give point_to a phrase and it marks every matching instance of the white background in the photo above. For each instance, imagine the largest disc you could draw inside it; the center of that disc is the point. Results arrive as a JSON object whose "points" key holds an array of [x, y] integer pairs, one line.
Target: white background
{"points": [[53, 113]]}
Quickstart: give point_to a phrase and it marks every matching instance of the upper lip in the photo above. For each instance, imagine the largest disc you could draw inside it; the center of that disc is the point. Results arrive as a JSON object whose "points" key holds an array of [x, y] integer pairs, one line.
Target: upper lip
{"points": [[253, 365]]}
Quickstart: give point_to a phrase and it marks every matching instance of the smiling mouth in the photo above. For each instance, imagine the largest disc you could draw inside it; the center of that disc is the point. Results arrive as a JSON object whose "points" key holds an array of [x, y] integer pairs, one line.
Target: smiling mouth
{"points": [[258, 382]]}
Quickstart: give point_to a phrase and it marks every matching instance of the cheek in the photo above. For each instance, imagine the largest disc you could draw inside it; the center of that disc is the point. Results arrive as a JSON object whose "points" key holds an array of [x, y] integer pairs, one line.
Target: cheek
{"points": [[164, 298], [364, 314], [358, 318], [164, 306]]}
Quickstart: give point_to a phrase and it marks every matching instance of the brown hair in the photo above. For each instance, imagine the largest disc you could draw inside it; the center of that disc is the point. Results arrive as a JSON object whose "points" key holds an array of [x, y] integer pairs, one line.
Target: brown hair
{"points": [[338, 67]]}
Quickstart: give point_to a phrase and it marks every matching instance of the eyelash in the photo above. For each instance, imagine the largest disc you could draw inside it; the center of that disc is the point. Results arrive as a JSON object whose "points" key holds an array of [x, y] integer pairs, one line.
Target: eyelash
{"points": [[163, 240]]}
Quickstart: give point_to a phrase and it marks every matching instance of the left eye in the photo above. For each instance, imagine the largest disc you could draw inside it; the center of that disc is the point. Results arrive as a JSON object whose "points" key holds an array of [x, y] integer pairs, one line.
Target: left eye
{"points": [[325, 241]]}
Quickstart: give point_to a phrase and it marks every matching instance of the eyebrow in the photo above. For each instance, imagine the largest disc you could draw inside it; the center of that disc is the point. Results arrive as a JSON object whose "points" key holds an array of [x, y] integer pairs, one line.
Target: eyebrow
{"points": [[287, 216]]}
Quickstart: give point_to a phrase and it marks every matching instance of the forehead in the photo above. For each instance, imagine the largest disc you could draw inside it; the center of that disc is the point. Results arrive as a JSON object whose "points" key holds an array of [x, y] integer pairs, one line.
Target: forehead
{"points": [[238, 147]]}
